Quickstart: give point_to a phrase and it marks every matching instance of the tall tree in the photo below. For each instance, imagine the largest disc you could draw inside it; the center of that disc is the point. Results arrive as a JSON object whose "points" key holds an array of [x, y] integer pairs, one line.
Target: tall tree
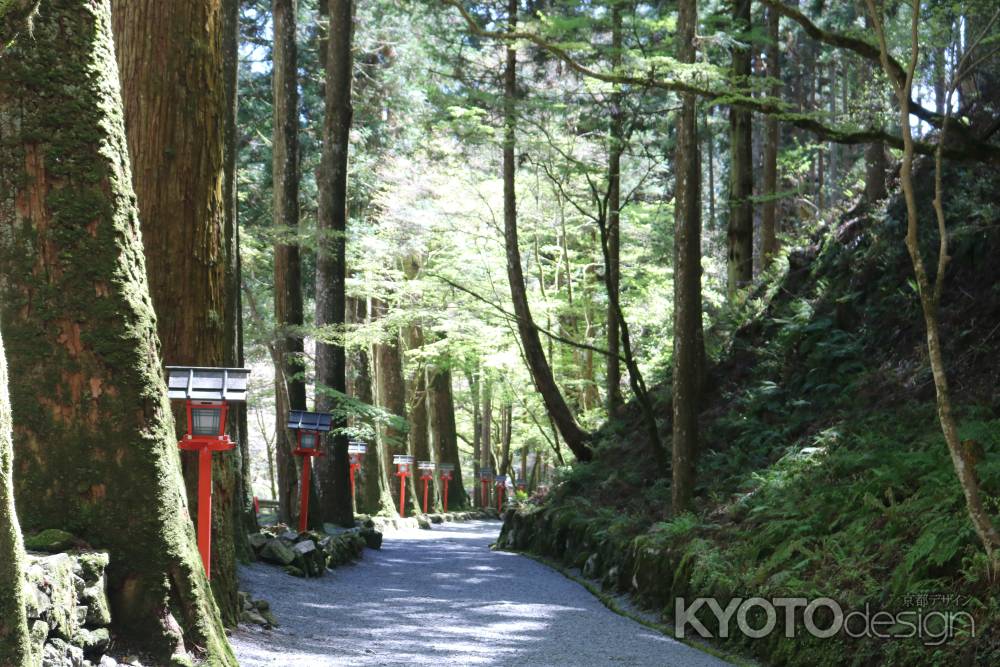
{"points": [[15, 642], [96, 450], [485, 428], [876, 165], [541, 372], [442, 419], [963, 456], [331, 360], [238, 465], [390, 394], [613, 373], [179, 174], [290, 386], [740, 236], [769, 223], [688, 339], [359, 388], [506, 435]]}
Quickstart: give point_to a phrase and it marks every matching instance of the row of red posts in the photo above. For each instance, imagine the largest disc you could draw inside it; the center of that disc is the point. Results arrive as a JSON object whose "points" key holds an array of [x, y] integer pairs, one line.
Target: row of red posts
{"points": [[500, 486], [404, 469], [207, 393]]}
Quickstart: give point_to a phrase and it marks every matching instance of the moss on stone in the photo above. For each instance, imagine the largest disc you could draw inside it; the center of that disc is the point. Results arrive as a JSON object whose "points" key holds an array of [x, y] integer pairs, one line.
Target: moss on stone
{"points": [[50, 540]]}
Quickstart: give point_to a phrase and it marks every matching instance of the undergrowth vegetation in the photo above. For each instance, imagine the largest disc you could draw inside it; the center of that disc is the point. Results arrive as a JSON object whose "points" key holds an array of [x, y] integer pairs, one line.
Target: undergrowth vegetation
{"points": [[823, 470]]}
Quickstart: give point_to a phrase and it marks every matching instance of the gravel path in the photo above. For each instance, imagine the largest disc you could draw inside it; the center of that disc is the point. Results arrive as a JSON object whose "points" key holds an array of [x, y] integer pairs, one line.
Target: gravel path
{"points": [[441, 597]]}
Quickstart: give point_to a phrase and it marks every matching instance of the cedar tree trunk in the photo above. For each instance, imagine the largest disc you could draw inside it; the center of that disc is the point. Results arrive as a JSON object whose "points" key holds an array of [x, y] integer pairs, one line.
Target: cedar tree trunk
{"points": [[740, 236], [95, 442], [178, 104], [541, 373], [769, 223], [290, 387], [331, 360], [688, 341]]}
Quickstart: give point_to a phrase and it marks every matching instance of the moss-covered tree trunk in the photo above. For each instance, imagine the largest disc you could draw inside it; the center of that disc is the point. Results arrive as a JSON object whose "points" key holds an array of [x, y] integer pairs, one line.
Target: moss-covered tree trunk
{"points": [[15, 647], [94, 439], [15, 644], [171, 59]]}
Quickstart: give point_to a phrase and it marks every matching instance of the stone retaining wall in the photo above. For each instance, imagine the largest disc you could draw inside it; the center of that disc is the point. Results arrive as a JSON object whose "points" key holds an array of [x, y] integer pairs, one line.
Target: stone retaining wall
{"points": [[67, 608], [311, 553]]}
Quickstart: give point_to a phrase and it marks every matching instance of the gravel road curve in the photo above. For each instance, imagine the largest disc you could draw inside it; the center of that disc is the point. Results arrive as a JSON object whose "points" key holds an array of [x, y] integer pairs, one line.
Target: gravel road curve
{"points": [[441, 597]]}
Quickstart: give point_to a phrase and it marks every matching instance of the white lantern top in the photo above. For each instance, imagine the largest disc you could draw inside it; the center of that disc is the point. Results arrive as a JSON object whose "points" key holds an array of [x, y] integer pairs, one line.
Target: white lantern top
{"points": [[207, 384]]}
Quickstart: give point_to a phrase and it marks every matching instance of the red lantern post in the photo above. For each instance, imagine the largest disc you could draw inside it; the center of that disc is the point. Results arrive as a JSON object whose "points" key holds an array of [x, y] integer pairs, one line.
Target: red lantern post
{"points": [[403, 465], [206, 393], [426, 474], [356, 450], [485, 477], [309, 428], [446, 470], [501, 486]]}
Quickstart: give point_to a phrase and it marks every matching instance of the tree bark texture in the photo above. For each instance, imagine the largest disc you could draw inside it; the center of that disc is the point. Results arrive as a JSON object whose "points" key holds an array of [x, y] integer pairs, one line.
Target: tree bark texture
{"points": [[331, 304], [541, 373], [688, 340], [769, 222], [290, 387], [876, 165], [506, 433], [96, 450], [178, 103], [416, 389], [485, 430], [442, 418], [391, 397], [613, 373], [15, 641], [740, 235], [244, 515]]}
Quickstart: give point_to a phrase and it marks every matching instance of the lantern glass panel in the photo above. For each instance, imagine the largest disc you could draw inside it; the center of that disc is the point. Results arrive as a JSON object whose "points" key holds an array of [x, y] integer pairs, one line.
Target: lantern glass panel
{"points": [[308, 441], [205, 421]]}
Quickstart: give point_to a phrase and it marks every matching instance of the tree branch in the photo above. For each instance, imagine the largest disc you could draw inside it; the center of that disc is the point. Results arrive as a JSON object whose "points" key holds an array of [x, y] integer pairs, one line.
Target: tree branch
{"points": [[974, 150], [511, 316]]}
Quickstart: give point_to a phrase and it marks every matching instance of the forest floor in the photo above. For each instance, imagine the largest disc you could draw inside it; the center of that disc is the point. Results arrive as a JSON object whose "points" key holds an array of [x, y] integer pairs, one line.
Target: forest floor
{"points": [[443, 597]]}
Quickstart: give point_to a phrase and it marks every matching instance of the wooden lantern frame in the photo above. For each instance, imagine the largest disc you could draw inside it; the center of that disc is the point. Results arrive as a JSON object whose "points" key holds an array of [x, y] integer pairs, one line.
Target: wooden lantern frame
{"points": [[206, 388]]}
